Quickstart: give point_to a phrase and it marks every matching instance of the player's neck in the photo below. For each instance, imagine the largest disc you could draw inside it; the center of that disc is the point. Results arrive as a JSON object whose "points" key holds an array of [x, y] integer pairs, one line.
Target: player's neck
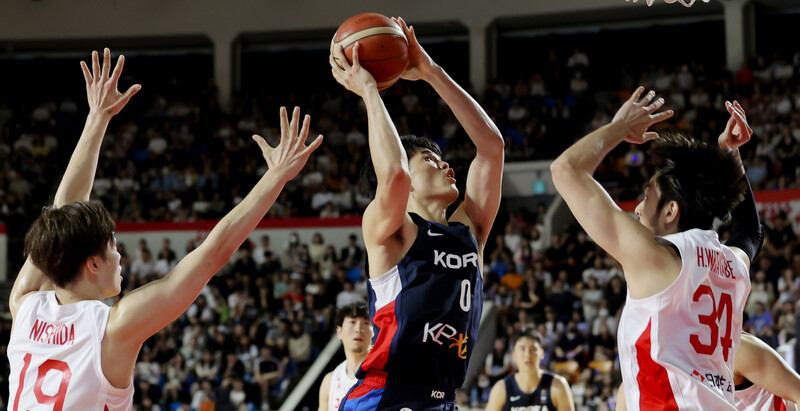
{"points": [[529, 379], [79, 291], [353, 362], [431, 210]]}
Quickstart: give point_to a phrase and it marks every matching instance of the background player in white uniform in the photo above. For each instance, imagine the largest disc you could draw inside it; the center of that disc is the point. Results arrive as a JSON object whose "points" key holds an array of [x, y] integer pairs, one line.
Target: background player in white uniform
{"points": [[527, 355], [66, 350], [355, 331], [686, 291]]}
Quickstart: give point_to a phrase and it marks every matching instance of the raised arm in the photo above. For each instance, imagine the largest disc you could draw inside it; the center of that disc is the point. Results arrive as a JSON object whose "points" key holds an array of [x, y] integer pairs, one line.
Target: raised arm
{"points": [[385, 215], [615, 231], [76, 185], [148, 309], [747, 235], [104, 102], [761, 365], [484, 180]]}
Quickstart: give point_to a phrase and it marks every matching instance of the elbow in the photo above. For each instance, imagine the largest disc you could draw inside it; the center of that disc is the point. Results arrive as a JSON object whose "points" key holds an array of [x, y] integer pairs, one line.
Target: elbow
{"points": [[561, 171], [397, 177]]}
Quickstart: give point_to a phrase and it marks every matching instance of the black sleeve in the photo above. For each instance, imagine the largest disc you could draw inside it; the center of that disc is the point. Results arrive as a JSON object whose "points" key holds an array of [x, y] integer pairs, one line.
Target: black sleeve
{"points": [[747, 232]]}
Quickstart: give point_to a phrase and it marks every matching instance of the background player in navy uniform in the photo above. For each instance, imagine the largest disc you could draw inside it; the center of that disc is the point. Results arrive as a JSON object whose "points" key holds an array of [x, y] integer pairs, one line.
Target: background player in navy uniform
{"points": [[425, 290], [530, 388]]}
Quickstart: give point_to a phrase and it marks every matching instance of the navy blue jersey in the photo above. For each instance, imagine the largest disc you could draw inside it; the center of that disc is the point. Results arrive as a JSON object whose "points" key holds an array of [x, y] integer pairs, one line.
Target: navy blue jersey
{"points": [[539, 400], [425, 313]]}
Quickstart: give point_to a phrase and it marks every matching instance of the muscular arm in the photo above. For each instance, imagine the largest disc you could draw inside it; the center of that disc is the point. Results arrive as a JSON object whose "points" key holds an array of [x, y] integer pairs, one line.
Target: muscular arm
{"points": [[629, 242], [497, 397], [484, 180], [324, 391], [386, 214], [76, 185], [562, 395], [761, 365], [146, 310]]}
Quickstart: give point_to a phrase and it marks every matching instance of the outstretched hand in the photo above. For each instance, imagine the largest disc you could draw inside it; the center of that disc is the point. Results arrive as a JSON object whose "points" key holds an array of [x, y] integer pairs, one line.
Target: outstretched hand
{"points": [[291, 154], [638, 114], [101, 90], [352, 76], [420, 64], [737, 131]]}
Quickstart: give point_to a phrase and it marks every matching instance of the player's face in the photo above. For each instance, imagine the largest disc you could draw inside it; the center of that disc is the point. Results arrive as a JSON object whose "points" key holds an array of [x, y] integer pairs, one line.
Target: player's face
{"points": [[356, 334], [527, 354], [647, 209], [431, 176], [111, 271]]}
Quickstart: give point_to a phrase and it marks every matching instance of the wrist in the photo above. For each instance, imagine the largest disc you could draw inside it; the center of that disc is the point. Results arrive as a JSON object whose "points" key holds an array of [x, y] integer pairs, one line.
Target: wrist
{"points": [[618, 128], [435, 74], [98, 116]]}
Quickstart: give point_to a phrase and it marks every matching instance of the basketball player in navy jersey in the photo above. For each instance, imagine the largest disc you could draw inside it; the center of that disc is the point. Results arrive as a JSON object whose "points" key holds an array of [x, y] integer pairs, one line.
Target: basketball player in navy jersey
{"points": [[425, 288], [530, 388]]}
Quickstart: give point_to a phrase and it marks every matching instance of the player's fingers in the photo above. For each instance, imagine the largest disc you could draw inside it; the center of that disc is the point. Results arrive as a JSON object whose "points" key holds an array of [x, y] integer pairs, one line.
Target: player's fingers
{"points": [[636, 94], [262, 144], [658, 117], [301, 138], [86, 74], [106, 62], [284, 125], [294, 124], [650, 135], [648, 98], [334, 63], [124, 98], [355, 54], [655, 105], [313, 146], [341, 58], [95, 65], [118, 69]]}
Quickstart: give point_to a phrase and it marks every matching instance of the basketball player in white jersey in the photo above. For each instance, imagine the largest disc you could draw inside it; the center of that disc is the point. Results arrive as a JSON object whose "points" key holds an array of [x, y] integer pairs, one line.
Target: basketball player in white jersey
{"points": [[70, 351], [686, 291], [530, 388], [764, 381], [355, 331]]}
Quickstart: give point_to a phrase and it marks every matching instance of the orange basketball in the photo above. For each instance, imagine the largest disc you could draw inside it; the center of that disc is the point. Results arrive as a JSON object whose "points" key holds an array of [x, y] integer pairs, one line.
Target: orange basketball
{"points": [[383, 48]]}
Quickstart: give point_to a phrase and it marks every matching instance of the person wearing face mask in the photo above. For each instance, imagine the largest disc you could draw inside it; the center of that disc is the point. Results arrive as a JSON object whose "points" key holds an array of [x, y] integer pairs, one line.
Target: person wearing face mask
{"points": [[530, 388]]}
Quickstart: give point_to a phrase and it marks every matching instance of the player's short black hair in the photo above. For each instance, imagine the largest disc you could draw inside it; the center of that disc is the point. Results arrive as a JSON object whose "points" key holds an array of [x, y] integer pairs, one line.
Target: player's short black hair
{"points": [[354, 310], [411, 144], [707, 182], [62, 238], [533, 335]]}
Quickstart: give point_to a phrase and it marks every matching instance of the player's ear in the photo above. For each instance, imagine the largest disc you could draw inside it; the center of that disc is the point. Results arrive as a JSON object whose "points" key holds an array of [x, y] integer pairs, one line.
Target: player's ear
{"points": [[90, 266], [672, 213]]}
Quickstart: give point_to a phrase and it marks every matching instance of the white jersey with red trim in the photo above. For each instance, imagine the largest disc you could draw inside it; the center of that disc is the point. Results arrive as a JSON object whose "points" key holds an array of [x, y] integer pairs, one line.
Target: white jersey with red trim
{"points": [[340, 384], [676, 347], [54, 353], [755, 398]]}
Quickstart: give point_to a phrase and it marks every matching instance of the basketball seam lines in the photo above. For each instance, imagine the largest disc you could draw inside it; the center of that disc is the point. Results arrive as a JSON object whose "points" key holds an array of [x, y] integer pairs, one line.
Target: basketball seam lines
{"points": [[377, 31]]}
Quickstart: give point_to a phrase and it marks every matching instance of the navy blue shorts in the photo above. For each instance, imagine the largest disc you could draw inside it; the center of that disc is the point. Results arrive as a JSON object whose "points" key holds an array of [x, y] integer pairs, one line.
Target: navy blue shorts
{"points": [[376, 393]]}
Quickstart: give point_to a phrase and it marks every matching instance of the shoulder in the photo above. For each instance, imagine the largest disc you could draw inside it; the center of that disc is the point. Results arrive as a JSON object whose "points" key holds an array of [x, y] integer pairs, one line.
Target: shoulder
{"points": [[559, 382], [326, 382], [500, 386]]}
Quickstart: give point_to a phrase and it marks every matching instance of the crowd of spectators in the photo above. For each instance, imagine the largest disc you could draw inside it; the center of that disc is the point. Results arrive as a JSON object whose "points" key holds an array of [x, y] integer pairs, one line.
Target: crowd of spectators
{"points": [[262, 320]]}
